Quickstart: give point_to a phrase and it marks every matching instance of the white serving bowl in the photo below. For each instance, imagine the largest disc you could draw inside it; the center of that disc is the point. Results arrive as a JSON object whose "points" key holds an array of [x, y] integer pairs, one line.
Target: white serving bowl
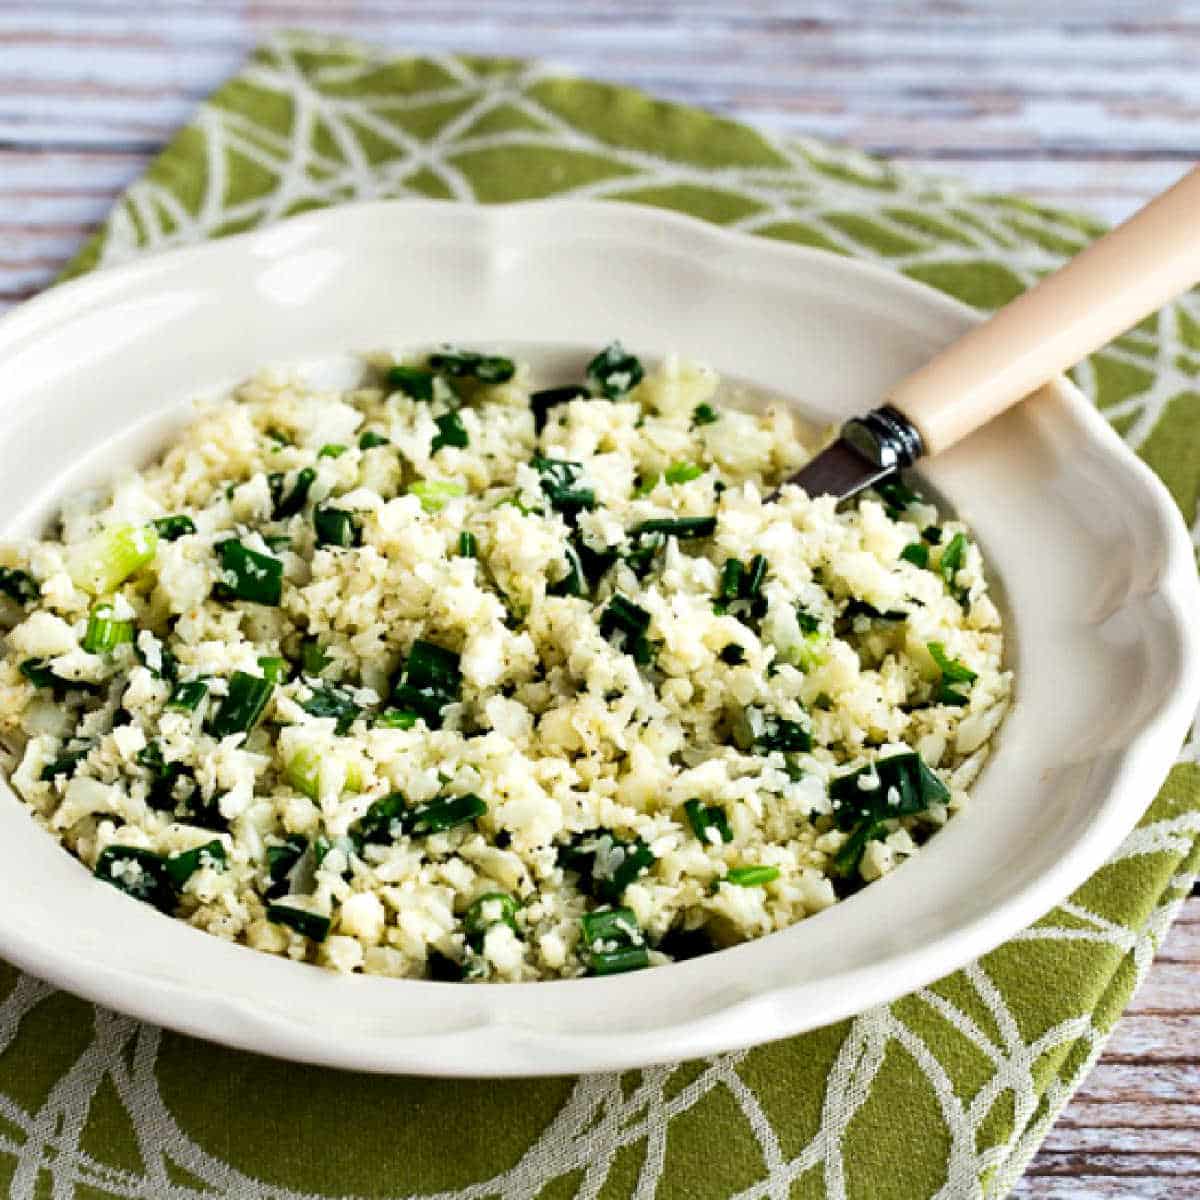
{"points": [[1092, 562]]}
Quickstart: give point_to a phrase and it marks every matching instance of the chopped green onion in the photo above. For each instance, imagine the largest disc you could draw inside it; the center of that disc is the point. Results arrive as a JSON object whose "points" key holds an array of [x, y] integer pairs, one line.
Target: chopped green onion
{"points": [[171, 529], [683, 472], [439, 815], [309, 924], [468, 545], [706, 819], [412, 381], [139, 873], [899, 786], [606, 864], [18, 585], [613, 372], [164, 776], [561, 482], [101, 564], [492, 908], [312, 657], [614, 942], [289, 505], [807, 622], [574, 582], [751, 876], [332, 702], [678, 527], [952, 671], [733, 654], [396, 718], [951, 563], [787, 736], [542, 402], [332, 450], [279, 437], [65, 764], [277, 541], [282, 860], [104, 632], [896, 495], [248, 575], [242, 706], [627, 619], [381, 823], [916, 553], [335, 527], [451, 432], [704, 414], [303, 772], [848, 857], [434, 494], [468, 364], [369, 440], [181, 867], [860, 608], [274, 668], [40, 675], [431, 680], [188, 696]]}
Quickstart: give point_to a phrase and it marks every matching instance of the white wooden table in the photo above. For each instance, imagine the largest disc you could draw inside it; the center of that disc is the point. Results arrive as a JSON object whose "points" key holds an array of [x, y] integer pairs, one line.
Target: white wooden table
{"points": [[1086, 103]]}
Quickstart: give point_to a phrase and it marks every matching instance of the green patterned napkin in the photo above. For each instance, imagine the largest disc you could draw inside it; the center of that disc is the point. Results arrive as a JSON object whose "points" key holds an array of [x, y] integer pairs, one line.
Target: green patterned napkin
{"points": [[947, 1092]]}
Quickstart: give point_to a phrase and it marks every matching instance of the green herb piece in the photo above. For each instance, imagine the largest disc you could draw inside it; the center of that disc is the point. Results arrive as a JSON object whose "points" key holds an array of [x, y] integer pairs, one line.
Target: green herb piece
{"points": [[333, 702], [310, 924], [731, 585], [164, 778], [441, 814], [613, 372], [396, 718], [899, 786], [332, 450], [181, 867], [780, 734], [435, 494], [951, 563], [751, 876], [683, 472], [932, 534], [312, 658], [168, 664], [335, 527], [704, 414], [468, 545], [18, 585], [414, 382], [606, 864], [678, 527], [171, 529], [707, 819], [431, 680], [64, 764], [807, 622], [382, 822], [953, 672], [248, 575], [102, 563], [916, 553], [40, 675], [469, 364], [560, 481], [369, 440], [104, 631], [896, 495], [279, 437], [243, 705], [274, 668], [733, 654], [542, 402], [846, 861], [451, 432], [624, 618], [139, 873], [860, 608], [188, 696], [282, 859], [277, 541], [288, 504], [492, 908], [615, 942]]}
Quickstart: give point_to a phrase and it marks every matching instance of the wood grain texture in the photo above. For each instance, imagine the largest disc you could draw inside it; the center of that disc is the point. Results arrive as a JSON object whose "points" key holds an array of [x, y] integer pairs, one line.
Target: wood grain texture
{"points": [[1092, 104]]}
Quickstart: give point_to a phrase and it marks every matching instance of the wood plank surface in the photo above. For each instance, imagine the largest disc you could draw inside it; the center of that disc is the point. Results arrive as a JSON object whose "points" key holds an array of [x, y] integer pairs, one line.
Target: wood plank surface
{"points": [[1093, 104]]}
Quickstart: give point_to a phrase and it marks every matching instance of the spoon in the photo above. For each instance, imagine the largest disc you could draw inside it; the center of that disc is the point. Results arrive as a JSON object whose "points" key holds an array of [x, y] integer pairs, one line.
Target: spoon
{"points": [[1100, 293]]}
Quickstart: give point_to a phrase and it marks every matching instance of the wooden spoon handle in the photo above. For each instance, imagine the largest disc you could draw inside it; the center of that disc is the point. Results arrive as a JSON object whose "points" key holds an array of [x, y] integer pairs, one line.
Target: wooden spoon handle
{"points": [[1100, 293]]}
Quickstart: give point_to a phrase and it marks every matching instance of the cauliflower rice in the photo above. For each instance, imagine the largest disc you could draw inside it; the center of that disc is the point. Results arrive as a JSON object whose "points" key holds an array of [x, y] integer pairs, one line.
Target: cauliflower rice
{"points": [[444, 677]]}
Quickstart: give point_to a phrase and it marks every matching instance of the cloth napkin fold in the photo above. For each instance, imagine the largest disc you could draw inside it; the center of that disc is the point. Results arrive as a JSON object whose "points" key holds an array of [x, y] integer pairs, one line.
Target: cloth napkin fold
{"points": [[945, 1093]]}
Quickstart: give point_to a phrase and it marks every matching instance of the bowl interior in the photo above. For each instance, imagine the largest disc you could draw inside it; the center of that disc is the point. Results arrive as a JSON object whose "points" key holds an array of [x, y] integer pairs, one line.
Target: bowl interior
{"points": [[98, 374]]}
